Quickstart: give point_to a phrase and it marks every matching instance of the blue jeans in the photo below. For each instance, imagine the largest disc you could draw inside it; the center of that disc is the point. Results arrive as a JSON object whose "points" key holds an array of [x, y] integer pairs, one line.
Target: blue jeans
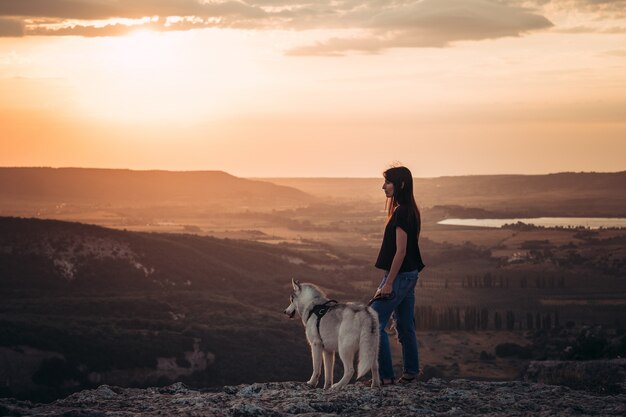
{"points": [[403, 306]]}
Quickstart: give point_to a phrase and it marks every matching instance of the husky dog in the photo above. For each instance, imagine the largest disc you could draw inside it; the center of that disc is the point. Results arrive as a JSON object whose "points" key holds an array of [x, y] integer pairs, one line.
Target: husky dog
{"points": [[332, 327]]}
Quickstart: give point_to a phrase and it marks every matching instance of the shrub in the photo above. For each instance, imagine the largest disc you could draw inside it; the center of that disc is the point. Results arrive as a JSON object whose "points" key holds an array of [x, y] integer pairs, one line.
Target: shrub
{"points": [[590, 343], [505, 350], [183, 363], [52, 372]]}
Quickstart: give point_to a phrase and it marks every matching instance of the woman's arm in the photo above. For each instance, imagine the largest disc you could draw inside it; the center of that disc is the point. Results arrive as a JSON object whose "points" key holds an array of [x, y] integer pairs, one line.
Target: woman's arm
{"points": [[398, 258]]}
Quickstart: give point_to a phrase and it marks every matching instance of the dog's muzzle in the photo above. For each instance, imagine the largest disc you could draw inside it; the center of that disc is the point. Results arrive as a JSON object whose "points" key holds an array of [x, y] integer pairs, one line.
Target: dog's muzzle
{"points": [[293, 313]]}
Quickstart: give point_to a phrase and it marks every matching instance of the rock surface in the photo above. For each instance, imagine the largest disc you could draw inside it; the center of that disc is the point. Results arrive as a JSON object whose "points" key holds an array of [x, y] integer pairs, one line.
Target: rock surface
{"points": [[601, 376], [435, 397]]}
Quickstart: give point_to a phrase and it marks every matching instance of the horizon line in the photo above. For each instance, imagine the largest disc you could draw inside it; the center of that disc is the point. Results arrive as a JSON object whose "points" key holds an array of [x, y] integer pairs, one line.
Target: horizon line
{"points": [[253, 177]]}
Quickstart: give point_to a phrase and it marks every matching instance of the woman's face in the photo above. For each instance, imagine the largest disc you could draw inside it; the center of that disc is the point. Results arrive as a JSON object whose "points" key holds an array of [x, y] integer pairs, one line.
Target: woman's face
{"points": [[388, 188]]}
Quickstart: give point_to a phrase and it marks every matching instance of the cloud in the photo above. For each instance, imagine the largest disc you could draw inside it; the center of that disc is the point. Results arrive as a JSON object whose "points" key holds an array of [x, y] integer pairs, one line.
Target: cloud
{"points": [[338, 46], [433, 23], [613, 9], [79, 17], [11, 27], [116, 29], [87, 31], [131, 9], [590, 29], [384, 23], [616, 52], [594, 9], [581, 16]]}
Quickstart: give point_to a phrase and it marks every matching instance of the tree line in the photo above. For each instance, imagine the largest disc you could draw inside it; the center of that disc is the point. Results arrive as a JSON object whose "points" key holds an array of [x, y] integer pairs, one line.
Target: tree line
{"points": [[473, 318]]}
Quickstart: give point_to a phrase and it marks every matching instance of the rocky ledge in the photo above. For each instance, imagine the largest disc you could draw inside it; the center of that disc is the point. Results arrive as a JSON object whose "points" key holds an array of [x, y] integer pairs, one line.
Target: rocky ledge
{"points": [[435, 397]]}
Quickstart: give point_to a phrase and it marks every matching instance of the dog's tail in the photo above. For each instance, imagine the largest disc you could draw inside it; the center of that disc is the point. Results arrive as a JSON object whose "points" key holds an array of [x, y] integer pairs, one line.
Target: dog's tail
{"points": [[368, 344]]}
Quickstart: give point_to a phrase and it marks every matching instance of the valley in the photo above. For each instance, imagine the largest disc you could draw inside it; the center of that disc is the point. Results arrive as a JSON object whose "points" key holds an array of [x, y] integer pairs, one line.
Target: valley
{"points": [[150, 292]]}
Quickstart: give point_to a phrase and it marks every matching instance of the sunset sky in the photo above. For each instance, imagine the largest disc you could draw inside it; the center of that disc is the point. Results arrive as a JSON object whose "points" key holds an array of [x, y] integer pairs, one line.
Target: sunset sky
{"points": [[314, 87]]}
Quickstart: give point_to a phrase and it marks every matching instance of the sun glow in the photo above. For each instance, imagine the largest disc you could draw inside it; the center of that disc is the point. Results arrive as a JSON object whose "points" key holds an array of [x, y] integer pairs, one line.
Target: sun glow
{"points": [[160, 77], [128, 77], [137, 51]]}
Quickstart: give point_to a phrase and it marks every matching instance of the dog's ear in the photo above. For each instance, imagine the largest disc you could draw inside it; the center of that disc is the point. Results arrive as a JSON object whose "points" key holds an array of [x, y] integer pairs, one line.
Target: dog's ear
{"points": [[296, 284]]}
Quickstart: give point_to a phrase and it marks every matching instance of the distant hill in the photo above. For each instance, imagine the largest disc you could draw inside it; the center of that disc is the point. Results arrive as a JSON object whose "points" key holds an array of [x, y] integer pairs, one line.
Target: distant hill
{"points": [[82, 305], [48, 254], [560, 194], [122, 186]]}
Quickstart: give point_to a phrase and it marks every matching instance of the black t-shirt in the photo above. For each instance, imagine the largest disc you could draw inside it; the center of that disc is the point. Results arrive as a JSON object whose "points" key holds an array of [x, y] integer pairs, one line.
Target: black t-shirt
{"points": [[412, 259]]}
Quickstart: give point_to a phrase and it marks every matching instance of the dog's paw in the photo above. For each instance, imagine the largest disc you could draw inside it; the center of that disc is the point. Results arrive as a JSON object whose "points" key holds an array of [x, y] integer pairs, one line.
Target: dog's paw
{"points": [[335, 387], [312, 383]]}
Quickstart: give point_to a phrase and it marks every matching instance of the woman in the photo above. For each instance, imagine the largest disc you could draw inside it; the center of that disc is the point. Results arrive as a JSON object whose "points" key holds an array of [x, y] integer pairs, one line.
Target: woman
{"points": [[400, 258]]}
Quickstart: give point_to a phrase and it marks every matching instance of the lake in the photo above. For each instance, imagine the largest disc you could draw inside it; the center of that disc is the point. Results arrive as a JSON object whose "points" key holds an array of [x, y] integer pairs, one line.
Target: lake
{"points": [[587, 222]]}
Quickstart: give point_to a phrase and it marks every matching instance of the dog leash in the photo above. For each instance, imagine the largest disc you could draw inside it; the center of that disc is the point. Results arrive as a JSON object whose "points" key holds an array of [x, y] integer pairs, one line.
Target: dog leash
{"points": [[381, 297]]}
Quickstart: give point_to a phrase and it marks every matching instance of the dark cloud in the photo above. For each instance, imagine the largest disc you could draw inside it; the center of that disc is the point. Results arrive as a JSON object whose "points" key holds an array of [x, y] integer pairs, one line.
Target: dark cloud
{"points": [[607, 7], [132, 9], [590, 29], [118, 29], [338, 47], [598, 9], [434, 23], [384, 23], [86, 30], [66, 9], [11, 27], [598, 16]]}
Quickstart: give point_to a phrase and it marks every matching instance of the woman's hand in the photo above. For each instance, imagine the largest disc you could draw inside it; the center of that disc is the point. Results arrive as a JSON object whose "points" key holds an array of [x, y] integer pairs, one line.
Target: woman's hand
{"points": [[385, 289]]}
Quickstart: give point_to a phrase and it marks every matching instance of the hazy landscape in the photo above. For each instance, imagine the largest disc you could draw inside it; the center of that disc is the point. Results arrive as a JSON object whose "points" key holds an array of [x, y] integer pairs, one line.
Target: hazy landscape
{"points": [[167, 168], [139, 278]]}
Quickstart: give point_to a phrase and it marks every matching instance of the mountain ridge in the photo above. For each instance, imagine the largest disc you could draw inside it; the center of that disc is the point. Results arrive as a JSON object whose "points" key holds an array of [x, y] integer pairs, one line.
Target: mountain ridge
{"points": [[75, 252], [124, 185], [83, 305], [550, 195]]}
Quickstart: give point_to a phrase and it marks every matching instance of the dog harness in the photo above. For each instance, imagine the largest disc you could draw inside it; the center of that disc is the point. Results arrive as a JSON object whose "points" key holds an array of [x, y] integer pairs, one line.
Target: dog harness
{"points": [[320, 310]]}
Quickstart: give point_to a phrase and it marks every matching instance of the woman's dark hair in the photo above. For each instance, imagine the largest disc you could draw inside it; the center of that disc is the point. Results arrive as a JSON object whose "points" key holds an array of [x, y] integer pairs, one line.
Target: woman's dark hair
{"points": [[402, 181]]}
